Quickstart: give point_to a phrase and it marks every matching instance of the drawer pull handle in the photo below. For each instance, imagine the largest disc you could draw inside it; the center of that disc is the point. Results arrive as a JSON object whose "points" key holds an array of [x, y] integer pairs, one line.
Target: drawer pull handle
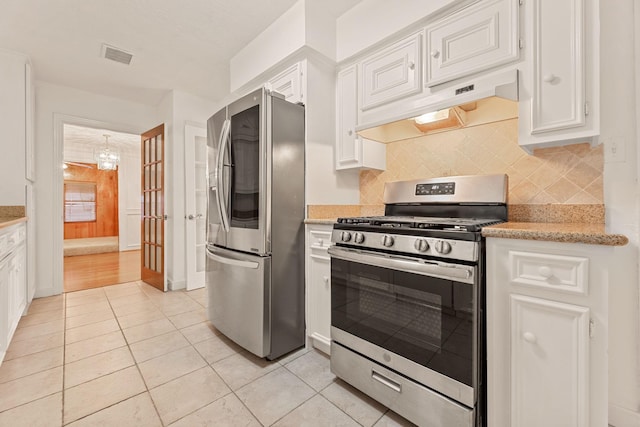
{"points": [[529, 337], [386, 381], [545, 272]]}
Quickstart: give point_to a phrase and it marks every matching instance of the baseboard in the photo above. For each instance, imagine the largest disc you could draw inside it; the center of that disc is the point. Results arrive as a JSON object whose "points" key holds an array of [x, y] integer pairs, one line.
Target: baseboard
{"points": [[623, 417], [44, 292], [321, 343], [177, 285]]}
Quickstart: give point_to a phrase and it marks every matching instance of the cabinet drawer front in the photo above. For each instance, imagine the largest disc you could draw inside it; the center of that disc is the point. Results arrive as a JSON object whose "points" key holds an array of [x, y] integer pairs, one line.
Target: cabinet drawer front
{"points": [[472, 40], [320, 238], [391, 74], [554, 272]]}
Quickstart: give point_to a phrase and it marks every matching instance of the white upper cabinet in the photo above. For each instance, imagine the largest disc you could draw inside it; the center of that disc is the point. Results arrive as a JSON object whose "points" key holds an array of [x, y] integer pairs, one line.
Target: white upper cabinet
{"points": [[16, 122], [289, 83], [559, 100], [353, 151], [473, 39], [391, 73]]}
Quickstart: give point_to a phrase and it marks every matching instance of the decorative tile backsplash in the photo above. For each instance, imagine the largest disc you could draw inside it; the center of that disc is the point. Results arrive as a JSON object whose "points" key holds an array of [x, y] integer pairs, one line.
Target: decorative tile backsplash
{"points": [[560, 175]]}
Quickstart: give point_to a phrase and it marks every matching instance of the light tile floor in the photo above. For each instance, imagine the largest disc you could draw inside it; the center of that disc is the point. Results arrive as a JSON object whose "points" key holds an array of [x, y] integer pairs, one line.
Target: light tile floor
{"points": [[129, 355]]}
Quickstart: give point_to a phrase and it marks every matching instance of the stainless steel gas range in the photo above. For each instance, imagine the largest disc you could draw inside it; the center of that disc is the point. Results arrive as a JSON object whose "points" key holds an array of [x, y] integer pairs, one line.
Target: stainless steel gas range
{"points": [[408, 298]]}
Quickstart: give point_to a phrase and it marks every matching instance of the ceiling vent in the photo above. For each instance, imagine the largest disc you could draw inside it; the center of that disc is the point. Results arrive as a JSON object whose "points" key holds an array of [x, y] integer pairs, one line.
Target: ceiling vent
{"points": [[115, 54]]}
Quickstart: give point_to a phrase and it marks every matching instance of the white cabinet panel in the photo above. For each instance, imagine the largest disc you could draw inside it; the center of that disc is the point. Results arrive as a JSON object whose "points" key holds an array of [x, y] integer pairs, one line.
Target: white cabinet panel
{"points": [[392, 73], [353, 151], [558, 69], [289, 83], [319, 286], [560, 85], [549, 363], [547, 333], [13, 282], [471, 40]]}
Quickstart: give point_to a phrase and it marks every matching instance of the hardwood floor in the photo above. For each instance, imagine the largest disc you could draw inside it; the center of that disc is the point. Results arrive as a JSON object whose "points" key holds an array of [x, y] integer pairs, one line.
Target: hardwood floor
{"points": [[97, 270]]}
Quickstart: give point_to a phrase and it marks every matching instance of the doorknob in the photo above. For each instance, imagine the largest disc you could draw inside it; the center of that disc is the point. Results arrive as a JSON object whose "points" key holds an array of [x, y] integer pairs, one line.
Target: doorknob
{"points": [[192, 217]]}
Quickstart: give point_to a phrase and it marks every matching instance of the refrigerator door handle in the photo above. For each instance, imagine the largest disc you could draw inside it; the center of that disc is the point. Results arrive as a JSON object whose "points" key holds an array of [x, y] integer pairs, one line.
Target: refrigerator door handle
{"points": [[222, 209], [230, 261]]}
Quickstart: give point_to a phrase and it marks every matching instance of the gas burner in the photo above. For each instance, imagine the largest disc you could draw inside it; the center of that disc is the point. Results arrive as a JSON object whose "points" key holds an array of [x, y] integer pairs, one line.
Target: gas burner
{"points": [[422, 223]]}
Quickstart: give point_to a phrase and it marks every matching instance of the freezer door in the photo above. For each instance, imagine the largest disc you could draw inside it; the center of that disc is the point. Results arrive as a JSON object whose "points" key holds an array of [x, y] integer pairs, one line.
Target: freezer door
{"points": [[238, 287]]}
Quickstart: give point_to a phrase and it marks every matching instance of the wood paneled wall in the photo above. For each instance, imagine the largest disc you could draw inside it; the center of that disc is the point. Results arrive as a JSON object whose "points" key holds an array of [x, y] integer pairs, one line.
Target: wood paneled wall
{"points": [[106, 223]]}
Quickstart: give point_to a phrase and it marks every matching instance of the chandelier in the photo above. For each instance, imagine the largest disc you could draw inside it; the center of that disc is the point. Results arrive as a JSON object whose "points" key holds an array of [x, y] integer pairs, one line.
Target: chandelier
{"points": [[107, 158]]}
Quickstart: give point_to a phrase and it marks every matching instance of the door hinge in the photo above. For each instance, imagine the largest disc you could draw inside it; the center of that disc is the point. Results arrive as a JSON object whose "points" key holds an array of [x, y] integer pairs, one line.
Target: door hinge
{"points": [[521, 43], [586, 108], [592, 328], [521, 2]]}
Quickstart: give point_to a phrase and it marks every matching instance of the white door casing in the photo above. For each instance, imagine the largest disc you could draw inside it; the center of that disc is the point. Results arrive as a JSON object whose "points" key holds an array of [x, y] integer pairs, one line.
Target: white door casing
{"points": [[195, 158]]}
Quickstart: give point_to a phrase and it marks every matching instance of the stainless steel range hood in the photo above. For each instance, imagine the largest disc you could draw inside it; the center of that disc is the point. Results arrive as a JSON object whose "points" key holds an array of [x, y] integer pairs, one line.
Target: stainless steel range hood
{"points": [[470, 103]]}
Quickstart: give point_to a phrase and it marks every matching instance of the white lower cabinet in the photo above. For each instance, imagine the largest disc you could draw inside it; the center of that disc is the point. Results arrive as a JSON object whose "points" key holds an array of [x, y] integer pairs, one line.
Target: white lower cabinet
{"points": [[318, 286], [13, 282], [547, 333]]}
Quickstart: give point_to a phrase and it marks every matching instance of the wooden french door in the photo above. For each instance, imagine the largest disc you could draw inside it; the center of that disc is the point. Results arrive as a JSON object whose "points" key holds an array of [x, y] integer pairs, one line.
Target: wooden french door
{"points": [[153, 216]]}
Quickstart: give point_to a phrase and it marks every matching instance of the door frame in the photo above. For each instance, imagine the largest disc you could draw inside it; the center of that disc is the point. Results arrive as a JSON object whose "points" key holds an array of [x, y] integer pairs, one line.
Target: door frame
{"points": [[191, 131], [57, 217]]}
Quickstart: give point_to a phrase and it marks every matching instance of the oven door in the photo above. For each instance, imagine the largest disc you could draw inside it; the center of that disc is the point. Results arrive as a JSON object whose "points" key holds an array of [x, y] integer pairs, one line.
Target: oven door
{"points": [[417, 317]]}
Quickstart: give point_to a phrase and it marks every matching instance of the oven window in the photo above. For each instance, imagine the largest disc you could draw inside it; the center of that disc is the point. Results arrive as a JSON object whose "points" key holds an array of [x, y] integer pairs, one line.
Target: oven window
{"points": [[245, 179], [424, 319]]}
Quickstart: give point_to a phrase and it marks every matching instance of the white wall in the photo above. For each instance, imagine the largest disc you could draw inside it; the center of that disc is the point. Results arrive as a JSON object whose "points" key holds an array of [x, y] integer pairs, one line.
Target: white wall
{"points": [[282, 38], [178, 108], [324, 185], [619, 116], [52, 99]]}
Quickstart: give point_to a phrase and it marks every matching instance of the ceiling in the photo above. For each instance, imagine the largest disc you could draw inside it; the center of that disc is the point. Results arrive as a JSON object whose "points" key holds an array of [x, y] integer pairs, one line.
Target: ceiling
{"points": [[181, 45]]}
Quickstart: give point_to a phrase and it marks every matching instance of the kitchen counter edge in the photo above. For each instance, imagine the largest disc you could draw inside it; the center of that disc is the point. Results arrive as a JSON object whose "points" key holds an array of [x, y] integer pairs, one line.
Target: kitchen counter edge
{"points": [[592, 234], [6, 222], [322, 221]]}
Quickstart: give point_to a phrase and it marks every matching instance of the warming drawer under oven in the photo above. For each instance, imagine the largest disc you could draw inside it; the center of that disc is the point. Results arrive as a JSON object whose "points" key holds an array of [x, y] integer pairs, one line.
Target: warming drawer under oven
{"points": [[405, 330]]}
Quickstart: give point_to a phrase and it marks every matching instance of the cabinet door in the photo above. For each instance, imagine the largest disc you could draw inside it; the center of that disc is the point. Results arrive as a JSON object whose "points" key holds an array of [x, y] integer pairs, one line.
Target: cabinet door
{"points": [[4, 306], [392, 73], [353, 151], [549, 363], [319, 288], [474, 39], [558, 65], [289, 83], [348, 147]]}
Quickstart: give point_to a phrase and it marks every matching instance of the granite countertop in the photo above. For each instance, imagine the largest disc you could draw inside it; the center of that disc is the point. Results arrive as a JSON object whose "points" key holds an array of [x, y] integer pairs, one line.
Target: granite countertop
{"points": [[593, 234], [8, 221]]}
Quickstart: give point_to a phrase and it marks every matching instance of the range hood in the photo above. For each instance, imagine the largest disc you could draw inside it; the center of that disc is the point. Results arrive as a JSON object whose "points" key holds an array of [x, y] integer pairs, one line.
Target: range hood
{"points": [[470, 103]]}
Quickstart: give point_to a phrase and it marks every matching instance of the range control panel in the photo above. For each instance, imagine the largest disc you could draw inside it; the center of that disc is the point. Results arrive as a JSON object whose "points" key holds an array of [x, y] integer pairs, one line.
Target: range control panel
{"points": [[435, 189]]}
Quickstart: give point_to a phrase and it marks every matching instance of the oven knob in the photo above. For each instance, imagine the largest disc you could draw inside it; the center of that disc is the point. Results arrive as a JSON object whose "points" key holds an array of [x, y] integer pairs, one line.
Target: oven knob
{"points": [[443, 247], [345, 236], [421, 245], [387, 240], [358, 238]]}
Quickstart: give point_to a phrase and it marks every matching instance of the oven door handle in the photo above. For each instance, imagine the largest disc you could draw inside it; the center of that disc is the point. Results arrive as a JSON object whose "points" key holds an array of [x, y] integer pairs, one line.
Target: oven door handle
{"points": [[461, 273]]}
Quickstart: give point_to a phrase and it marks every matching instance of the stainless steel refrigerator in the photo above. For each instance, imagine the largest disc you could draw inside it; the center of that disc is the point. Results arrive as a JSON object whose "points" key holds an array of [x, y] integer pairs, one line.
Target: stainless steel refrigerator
{"points": [[255, 232]]}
